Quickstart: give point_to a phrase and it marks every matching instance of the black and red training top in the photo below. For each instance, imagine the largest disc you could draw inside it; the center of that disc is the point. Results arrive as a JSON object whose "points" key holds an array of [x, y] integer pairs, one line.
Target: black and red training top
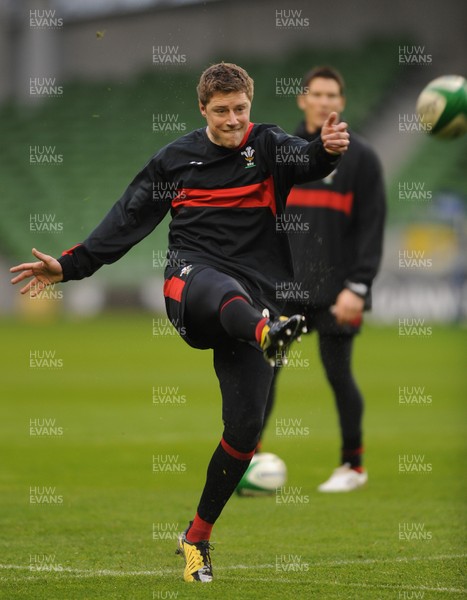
{"points": [[344, 215], [223, 202]]}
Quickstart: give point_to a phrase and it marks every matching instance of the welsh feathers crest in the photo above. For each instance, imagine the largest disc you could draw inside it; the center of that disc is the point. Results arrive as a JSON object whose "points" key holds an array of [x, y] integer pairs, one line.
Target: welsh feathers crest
{"points": [[249, 155]]}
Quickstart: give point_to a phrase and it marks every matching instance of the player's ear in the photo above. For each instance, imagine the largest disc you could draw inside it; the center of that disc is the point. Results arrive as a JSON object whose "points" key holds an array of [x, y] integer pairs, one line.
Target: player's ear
{"points": [[202, 109], [301, 101]]}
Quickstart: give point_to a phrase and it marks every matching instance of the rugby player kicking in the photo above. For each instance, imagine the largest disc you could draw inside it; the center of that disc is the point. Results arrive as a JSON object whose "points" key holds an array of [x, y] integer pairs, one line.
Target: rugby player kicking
{"points": [[230, 179]]}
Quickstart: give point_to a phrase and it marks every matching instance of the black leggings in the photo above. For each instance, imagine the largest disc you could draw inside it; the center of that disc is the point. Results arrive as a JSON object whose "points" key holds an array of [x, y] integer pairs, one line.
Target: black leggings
{"points": [[207, 291], [245, 379], [336, 355], [244, 376]]}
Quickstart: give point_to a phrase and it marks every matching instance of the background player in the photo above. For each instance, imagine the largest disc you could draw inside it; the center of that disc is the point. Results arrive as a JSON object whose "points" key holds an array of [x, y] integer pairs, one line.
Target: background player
{"points": [[336, 261], [224, 261]]}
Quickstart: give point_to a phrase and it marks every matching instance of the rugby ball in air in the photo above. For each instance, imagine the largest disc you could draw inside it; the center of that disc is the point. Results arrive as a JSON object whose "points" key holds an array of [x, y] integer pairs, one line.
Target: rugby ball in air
{"points": [[442, 107], [266, 472]]}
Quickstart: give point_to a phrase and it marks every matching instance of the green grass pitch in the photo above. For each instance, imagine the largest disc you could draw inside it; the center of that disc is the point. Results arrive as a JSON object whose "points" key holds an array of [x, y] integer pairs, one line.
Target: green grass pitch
{"points": [[87, 511]]}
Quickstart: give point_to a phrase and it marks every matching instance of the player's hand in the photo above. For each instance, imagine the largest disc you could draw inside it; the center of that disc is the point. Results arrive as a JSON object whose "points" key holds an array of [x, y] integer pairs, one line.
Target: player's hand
{"points": [[44, 272], [334, 135], [348, 308]]}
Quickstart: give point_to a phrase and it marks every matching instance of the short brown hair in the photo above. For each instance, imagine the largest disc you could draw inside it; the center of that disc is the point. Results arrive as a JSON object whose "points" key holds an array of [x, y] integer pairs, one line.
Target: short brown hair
{"points": [[326, 73], [224, 78]]}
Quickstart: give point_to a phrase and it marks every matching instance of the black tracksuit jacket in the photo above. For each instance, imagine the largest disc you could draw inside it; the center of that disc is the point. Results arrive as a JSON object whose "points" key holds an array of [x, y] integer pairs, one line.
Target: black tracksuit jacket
{"points": [[223, 204], [335, 225]]}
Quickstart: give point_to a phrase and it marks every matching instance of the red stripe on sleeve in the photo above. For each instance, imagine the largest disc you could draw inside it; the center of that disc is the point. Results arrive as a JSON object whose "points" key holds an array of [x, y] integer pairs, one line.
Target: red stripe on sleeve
{"points": [[70, 251]]}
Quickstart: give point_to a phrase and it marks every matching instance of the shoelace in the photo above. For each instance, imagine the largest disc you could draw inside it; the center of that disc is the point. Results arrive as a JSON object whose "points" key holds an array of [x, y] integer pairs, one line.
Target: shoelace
{"points": [[204, 548]]}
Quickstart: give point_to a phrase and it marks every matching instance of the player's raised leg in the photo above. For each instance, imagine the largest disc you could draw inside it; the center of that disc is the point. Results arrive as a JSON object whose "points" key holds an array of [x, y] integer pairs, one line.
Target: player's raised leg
{"points": [[218, 312], [216, 305]]}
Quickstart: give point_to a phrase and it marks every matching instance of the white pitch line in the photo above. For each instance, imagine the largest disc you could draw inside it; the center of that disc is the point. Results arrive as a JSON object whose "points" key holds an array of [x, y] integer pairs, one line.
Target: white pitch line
{"points": [[294, 581], [388, 586], [87, 572], [369, 561], [385, 586], [167, 572]]}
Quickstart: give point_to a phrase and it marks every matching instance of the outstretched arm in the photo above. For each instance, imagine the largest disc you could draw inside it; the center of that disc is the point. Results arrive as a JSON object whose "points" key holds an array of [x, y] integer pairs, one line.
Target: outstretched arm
{"points": [[131, 219], [44, 272]]}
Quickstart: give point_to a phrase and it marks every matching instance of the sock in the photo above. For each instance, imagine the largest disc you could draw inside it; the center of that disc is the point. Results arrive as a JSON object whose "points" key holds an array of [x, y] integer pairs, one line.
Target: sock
{"points": [[353, 456], [225, 470], [239, 318], [260, 330], [199, 531]]}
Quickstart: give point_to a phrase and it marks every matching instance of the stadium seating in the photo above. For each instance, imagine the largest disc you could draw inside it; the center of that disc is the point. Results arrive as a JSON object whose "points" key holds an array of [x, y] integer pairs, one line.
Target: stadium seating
{"points": [[104, 131]]}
